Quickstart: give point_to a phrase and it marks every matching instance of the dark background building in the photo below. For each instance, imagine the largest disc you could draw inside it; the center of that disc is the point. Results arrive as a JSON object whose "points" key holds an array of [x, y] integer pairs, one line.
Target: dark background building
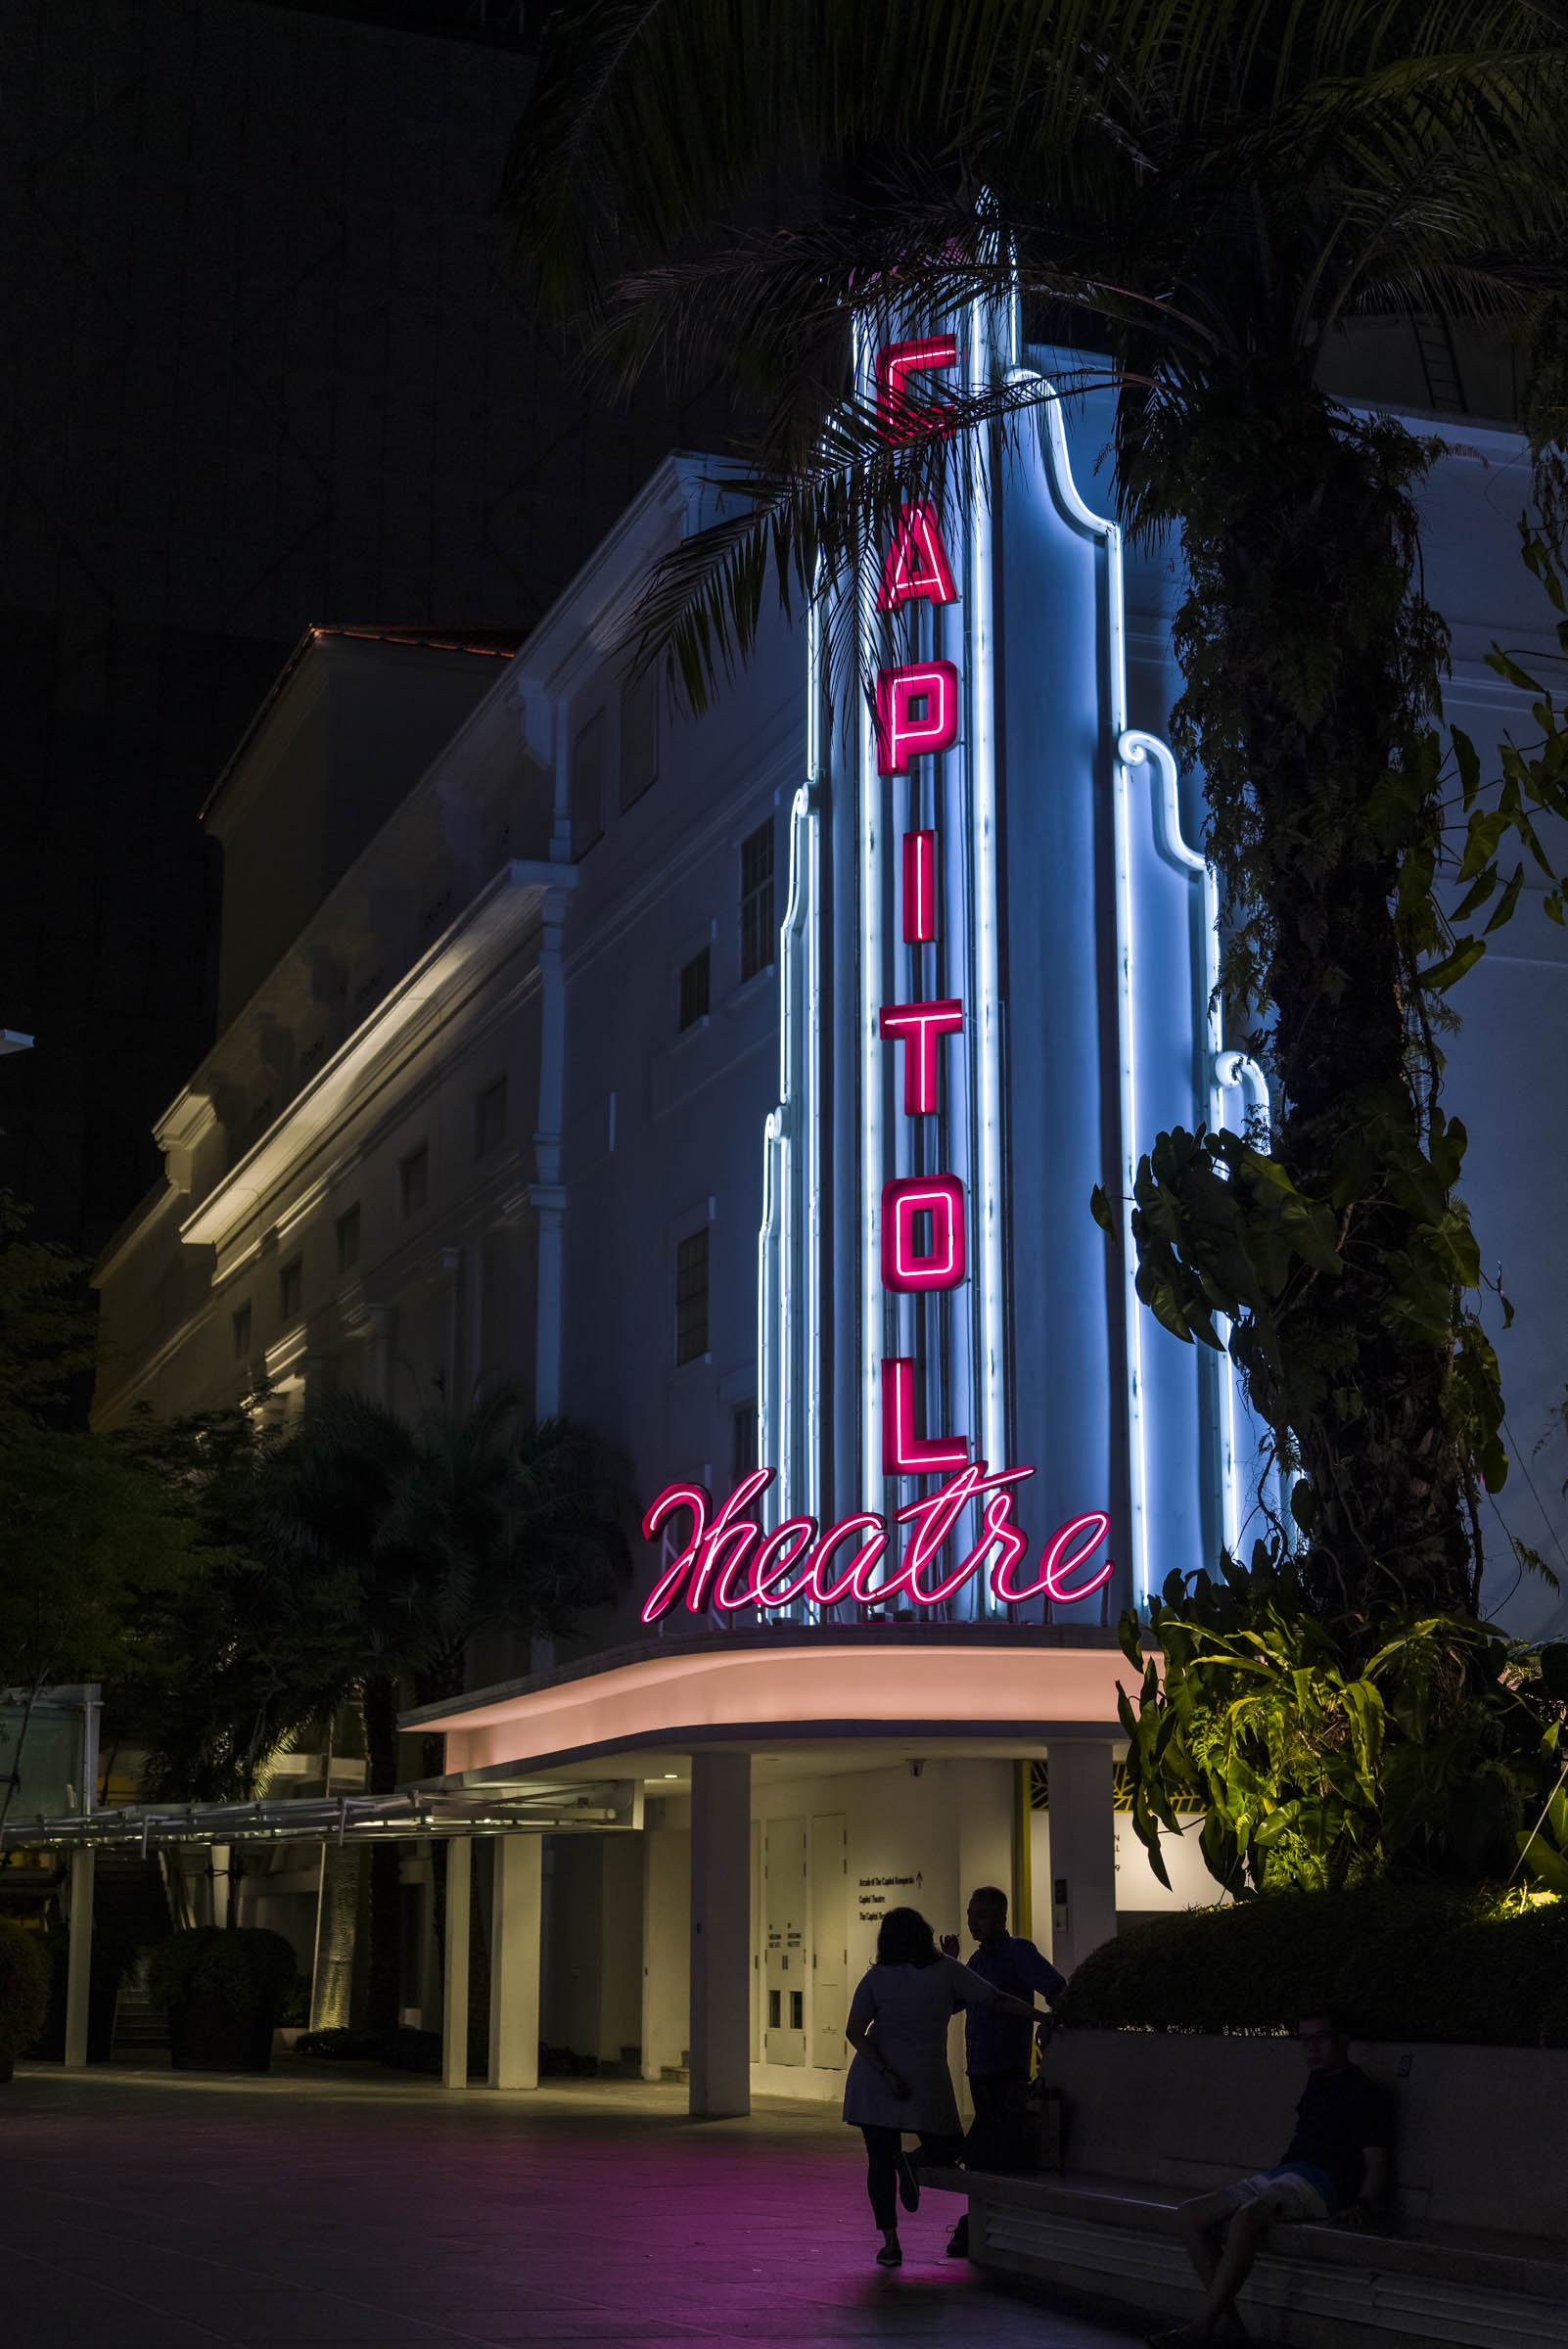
{"points": [[259, 368]]}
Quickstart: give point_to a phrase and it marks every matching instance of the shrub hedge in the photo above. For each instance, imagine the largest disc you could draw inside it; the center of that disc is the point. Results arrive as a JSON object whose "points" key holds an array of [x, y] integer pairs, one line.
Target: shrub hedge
{"points": [[1400, 1961], [23, 1987], [249, 1968]]}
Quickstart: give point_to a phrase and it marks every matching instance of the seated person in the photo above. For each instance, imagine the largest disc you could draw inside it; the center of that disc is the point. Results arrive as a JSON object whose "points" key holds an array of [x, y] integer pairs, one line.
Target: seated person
{"points": [[1337, 2164]]}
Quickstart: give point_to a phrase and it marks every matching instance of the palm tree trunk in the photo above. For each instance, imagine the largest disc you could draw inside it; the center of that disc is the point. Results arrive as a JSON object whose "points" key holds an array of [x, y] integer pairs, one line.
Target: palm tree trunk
{"points": [[1313, 674]]}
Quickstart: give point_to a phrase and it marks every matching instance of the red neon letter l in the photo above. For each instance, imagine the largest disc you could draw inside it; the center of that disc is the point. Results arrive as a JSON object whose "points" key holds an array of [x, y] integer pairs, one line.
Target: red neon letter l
{"points": [[903, 1452]]}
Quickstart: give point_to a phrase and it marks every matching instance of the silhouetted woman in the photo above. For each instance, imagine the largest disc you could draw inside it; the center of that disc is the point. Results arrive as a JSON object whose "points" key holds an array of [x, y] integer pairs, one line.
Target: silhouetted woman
{"points": [[900, 2079]]}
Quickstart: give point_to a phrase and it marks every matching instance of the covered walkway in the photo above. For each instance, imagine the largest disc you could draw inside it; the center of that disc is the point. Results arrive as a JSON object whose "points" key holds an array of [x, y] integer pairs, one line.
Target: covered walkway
{"points": [[160, 2210]]}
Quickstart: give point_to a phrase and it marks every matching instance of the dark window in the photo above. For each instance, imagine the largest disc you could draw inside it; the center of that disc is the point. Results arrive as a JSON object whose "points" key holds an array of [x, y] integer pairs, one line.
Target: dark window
{"points": [[348, 1229], [241, 1332], [758, 931], [694, 987], [291, 1290], [639, 737], [743, 1439], [775, 2002], [489, 1117], [691, 1298], [587, 785], [413, 1180], [797, 2010]]}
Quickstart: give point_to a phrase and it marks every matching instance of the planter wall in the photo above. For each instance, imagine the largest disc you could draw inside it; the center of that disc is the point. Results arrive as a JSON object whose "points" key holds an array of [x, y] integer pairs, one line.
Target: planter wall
{"points": [[1173, 2109], [205, 2035]]}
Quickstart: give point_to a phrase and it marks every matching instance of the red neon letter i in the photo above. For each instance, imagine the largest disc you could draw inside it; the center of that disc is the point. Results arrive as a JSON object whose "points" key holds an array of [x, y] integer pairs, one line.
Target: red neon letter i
{"points": [[919, 887]]}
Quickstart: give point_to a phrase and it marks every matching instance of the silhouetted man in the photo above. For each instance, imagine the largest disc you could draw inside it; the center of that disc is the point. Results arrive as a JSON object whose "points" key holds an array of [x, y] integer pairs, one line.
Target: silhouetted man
{"points": [[1337, 2164], [996, 2047]]}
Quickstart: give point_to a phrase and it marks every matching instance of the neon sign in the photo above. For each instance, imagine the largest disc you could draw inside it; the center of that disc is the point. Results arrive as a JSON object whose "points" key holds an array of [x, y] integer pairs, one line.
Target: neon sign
{"points": [[969, 1043], [728, 1562], [762, 1550]]}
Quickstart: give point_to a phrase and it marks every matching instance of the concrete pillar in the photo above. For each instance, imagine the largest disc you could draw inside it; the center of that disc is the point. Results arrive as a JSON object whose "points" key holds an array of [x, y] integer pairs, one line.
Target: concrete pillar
{"points": [[721, 1933], [665, 1946], [454, 1983], [1082, 1848], [514, 1914], [79, 1971]]}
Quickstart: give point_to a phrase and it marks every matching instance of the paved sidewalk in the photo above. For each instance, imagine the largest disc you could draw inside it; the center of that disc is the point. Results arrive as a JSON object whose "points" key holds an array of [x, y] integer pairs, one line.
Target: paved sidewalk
{"points": [[160, 2210]]}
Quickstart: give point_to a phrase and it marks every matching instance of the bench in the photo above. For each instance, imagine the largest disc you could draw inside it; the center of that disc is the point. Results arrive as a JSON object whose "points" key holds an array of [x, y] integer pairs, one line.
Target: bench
{"points": [[1476, 2249]]}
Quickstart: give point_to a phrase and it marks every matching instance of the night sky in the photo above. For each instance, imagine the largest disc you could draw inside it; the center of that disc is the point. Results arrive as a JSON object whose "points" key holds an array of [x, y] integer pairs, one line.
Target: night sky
{"points": [[261, 367]]}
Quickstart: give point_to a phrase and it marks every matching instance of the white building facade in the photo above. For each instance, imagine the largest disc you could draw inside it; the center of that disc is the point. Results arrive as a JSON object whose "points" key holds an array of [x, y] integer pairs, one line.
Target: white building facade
{"points": [[737, 1085]]}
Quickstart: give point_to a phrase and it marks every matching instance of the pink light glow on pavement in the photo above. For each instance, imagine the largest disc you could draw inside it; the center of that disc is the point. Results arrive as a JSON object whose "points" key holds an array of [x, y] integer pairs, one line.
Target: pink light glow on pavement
{"points": [[486, 2229]]}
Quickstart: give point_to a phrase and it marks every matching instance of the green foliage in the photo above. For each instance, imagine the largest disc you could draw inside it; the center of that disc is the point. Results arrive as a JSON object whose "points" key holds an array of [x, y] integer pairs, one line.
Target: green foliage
{"points": [[250, 1969], [48, 1330], [1319, 1766], [88, 1537], [352, 1563], [1472, 1966], [24, 1986]]}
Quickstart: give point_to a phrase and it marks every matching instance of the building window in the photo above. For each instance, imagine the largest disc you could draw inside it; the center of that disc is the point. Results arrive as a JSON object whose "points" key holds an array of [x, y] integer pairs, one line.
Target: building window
{"points": [[694, 977], [241, 1324], [291, 1290], [587, 785], [759, 931], [413, 1180], [348, 1230], [489, 1117], [743, 1440], [639, 737], [691, 1298]]}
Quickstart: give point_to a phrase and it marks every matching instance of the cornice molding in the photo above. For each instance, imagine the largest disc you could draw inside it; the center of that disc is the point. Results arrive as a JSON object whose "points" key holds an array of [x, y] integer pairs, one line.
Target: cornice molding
{"points": [[469, 950]]}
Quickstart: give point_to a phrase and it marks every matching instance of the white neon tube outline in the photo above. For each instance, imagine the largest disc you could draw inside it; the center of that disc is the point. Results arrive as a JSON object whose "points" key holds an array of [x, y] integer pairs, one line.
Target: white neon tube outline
{"points": [[789, 1384], [872, 1058], [1136, 749], [1238, 1073], [1100, 526], [981, 687]]}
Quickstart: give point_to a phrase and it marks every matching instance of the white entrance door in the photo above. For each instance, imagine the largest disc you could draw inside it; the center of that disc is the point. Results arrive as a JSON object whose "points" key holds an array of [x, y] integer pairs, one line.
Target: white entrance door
{"points": [[830, 1938], [784, 1970]]}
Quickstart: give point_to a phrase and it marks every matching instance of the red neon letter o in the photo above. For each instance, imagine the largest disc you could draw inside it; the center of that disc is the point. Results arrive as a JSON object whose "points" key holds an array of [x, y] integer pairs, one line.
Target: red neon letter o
{"points": [[942, 1266]]}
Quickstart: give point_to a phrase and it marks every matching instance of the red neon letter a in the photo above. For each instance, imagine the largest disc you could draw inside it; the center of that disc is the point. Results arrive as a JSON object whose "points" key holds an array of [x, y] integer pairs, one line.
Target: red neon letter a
{"points": [[903, 1452], [917, 565]]}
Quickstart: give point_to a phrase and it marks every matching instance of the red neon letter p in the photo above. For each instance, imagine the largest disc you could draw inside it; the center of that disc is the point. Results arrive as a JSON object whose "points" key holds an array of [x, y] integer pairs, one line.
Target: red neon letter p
{"points": [[901, 735]]}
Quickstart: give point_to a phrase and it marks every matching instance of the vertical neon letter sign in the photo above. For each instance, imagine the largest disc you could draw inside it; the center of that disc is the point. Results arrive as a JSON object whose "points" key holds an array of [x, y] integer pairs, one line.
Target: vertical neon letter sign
{"points": [[916, 716]]}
